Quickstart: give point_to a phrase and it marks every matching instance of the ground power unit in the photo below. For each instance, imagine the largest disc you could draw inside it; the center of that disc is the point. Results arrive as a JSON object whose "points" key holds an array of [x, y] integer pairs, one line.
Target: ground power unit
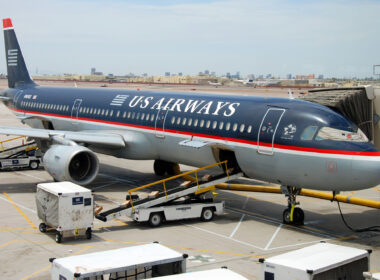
{"points": [[322, 261], [65, 207]]}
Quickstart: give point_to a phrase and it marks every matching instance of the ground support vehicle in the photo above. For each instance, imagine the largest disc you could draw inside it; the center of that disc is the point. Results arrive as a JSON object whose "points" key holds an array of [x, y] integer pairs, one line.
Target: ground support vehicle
{"points": [[136, 262], [66, 207]]}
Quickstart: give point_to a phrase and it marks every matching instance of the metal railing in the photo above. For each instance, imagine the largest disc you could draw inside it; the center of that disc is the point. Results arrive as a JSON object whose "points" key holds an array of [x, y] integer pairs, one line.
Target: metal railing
{"points": [[12, 139], [163, 181]]}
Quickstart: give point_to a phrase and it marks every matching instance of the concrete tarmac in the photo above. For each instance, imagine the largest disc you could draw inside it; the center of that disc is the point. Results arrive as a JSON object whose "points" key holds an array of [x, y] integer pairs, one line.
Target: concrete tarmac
{"points": [[251, 227]]}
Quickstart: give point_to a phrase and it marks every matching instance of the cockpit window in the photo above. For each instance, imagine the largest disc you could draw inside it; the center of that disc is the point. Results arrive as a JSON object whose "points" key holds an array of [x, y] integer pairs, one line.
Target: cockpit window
{"points": [[309, 132], [329, 133]]}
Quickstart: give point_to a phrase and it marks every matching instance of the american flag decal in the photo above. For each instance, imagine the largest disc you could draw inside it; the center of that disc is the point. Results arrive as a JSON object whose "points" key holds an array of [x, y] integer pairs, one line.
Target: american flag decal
{"points": [[119, 100], [12, 57]]}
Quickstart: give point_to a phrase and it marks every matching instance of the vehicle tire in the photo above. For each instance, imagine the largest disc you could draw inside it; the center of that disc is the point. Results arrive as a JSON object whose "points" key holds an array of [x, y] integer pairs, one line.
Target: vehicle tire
{"points": [[207, 214], [34, 165], [42, 227], [155, 219], [286, 216], [88, 233], [58, 237], [298, 216], [159, 167]]}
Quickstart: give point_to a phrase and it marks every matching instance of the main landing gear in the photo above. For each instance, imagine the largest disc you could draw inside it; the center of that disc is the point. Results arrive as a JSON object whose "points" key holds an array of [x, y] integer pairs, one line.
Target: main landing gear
{"points": [[292, 215], [162, 167]]}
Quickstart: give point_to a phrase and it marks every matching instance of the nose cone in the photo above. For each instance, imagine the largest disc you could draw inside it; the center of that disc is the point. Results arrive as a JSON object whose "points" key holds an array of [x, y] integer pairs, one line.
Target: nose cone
{"points": [[365, 172]]}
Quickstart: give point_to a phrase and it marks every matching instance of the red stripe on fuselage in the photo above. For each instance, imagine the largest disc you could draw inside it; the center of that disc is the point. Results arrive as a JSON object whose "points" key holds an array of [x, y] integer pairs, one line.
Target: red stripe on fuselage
{"points": [[276, 146]]}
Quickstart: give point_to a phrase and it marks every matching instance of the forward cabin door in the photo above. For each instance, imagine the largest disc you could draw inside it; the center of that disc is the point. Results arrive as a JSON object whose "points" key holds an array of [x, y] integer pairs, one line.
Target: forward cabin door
{"points": [[160, 123], [267, 131], [75, 111]]}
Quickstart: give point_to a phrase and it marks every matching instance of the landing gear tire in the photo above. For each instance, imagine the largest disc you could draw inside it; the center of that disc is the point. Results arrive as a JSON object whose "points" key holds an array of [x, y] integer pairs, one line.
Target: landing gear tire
{"points": [[207, 214], [58, 237], [172, 168], [159, 167], [42, 227], [155, 219], [88, 233], [298, 216], [34, 165]]}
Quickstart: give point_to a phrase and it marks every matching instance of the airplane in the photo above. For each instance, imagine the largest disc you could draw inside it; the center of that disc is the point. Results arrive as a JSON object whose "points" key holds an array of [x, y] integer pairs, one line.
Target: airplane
{"points": [[250, 82], [294, 143], [216, 84]]}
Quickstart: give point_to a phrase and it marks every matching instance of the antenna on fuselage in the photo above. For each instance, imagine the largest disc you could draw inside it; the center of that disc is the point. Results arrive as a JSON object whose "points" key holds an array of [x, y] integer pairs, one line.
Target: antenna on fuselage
{"points": [[291, 96]]}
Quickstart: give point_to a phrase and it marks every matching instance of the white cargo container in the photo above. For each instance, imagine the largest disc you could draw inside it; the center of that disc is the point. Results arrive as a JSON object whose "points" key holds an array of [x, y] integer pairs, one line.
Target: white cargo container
{"points": [[322, 261], [371, 275], [66, 207], [219, 274], [137, 262]]}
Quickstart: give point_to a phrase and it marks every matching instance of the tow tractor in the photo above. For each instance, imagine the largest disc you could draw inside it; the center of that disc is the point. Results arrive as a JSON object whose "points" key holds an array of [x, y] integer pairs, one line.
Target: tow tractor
{"points": [[26, 155], [191, 199]]}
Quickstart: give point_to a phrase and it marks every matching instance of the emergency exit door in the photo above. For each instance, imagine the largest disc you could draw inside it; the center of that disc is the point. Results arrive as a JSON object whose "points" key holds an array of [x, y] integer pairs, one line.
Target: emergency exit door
{"points": [[267, 131]]}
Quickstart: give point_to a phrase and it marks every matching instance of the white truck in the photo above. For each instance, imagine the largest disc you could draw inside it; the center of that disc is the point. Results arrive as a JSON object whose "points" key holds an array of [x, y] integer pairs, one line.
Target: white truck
{"points": [[137, 262], [321, 261], [219, 273], [65, 207]]}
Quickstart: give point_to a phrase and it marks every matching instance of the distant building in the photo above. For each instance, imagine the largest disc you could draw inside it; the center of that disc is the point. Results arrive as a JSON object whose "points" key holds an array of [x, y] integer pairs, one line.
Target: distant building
{"points": [[213, 74], [93, 70], [228, 75], [200, 73], [261, 77], [251, 77], [207, 72], [289, 76], [238, 75], [269, 76], [311, 76], [320, 77], [167, 74], [180, 74]]}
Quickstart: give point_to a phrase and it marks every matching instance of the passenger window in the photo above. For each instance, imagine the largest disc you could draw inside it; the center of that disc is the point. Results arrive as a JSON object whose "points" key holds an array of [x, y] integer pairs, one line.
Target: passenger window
{"points": [[178, 120], [208, 124], [173, 120], [111, 113], [202, 123], [117, 114], [147, 117], [99, 111], [124, 114], [249, 129], [137, 115], [91, 110], [129, 115], [308, 133], [190, 122], [142, 116], [196, 122], [228, 126], [184, 121], [214, 124], [106, 113], [221, 124], [152, 117], [234, 128], [133, 115], [242, 126]]}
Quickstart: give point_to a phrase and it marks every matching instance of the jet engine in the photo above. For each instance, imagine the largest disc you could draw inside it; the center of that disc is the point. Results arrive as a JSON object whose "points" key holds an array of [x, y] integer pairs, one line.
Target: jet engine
{"points": [[75, 163]]}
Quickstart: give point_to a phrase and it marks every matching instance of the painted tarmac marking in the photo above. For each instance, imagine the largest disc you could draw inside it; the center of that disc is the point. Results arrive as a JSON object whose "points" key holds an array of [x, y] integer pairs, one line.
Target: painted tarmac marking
{"points": [[226, 237], [273, 237], [104, 186], [19, 205], [245, 202], [20, 211], [8, 243], [237, 226], [28, 175], [120, 221], [299, 244], [49, 266]]}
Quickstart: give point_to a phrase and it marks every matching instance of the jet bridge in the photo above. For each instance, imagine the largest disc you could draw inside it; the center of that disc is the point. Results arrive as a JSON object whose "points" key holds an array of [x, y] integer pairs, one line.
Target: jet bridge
{"points": [[190, 193], [358, 104]]}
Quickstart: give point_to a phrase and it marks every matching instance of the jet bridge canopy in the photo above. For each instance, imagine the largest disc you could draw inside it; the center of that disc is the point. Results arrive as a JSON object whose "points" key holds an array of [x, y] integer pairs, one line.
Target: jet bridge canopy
{"points": [[355, 103]]}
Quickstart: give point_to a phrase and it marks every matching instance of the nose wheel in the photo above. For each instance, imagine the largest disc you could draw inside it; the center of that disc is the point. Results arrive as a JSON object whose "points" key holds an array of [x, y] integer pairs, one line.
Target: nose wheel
{"points": [[292, 215]]}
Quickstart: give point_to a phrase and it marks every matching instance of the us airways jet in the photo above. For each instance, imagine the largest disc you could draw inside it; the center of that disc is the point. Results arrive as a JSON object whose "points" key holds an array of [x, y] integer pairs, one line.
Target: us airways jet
{"points": [[293, 143]]}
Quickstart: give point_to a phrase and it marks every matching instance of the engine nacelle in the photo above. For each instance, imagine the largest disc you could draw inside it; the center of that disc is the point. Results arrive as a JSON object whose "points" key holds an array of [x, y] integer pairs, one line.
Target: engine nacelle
{"points": [[76, 164]]}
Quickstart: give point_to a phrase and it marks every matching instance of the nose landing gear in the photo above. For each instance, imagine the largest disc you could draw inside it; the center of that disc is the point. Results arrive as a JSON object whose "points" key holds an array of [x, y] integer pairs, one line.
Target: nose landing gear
{"points": [[292, 215]]}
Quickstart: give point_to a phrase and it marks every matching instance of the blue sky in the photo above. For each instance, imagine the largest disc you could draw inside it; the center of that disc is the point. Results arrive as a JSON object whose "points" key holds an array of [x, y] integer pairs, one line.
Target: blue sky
{"points": [[334, 38]]}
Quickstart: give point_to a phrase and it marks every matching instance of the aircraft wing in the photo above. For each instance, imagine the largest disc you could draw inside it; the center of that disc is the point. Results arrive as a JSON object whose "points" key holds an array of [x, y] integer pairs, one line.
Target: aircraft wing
{"points": [[92, 137]]}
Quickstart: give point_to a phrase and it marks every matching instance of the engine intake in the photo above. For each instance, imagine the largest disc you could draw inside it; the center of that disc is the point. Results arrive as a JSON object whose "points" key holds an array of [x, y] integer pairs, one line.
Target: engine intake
{"points": [[76, 164]]}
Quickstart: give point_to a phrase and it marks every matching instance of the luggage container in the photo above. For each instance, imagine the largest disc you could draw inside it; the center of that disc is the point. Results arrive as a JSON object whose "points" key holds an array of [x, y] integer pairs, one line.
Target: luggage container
{"points": [[66, 207], [371, 275], [322, 261], [137, 262]]}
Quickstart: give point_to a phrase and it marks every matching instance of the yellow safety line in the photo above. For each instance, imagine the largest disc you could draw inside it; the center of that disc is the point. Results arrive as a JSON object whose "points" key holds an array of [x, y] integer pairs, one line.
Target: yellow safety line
{"points": [[48, 266], [20, 211], [8, 243], [121, 222], [376, 189]]}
